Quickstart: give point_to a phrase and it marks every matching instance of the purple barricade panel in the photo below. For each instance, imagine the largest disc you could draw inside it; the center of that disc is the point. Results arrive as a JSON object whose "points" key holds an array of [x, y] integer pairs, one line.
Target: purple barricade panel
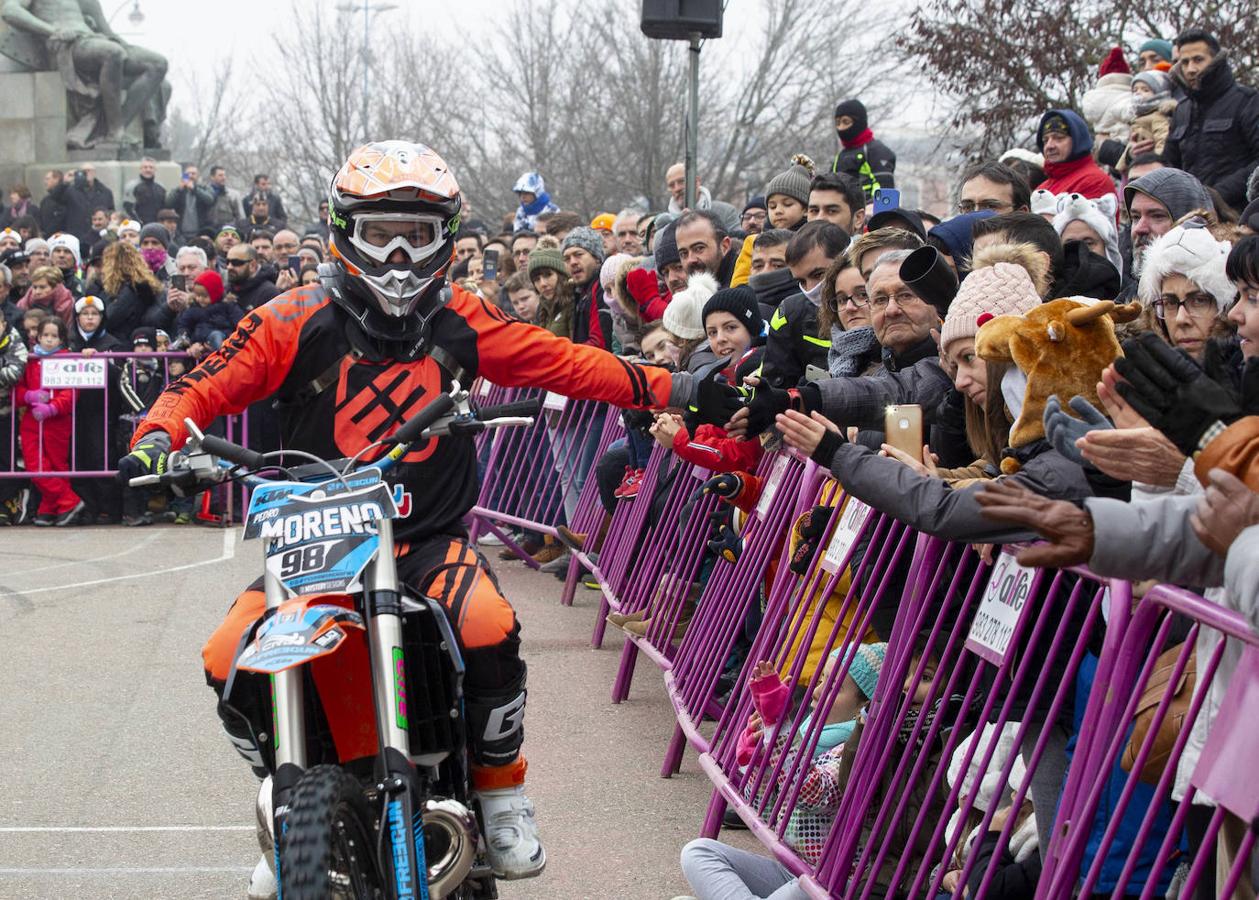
{"points": [[728, 595], [1159, 795]]}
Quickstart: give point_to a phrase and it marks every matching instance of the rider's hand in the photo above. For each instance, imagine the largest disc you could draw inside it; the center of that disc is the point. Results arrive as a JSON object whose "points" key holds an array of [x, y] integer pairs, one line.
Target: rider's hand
{"points": [[148, 457], [1175, 396]]}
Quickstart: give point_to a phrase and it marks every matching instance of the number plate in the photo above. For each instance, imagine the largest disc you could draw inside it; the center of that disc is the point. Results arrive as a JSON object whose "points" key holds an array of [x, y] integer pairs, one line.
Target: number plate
{"points": [[320, 537], [846, 533], [1001, 609]]}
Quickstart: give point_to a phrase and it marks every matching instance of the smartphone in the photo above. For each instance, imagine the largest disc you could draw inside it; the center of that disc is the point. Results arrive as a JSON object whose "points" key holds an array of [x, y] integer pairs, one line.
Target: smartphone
{"points": [[295, 263], [179, 282], [815, 373], [489, 263], [902, 428], [886, 198]]}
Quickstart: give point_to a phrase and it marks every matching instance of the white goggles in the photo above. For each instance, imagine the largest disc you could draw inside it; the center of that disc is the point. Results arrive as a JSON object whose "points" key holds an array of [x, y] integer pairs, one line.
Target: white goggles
{"points": [[377, 235]]}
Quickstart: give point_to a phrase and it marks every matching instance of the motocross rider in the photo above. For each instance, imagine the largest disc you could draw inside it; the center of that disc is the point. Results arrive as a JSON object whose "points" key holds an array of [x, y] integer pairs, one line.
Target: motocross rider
{"points": [[348, 360]]}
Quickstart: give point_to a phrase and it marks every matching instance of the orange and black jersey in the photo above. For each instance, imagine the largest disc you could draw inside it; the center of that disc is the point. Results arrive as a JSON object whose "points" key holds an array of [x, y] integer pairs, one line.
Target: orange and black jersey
{"points": [[333, 402]]}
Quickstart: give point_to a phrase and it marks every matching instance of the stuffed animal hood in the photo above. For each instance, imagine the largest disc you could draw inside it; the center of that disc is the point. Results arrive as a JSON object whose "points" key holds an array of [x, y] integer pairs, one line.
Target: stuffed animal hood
{"points": [[1062, 347]]}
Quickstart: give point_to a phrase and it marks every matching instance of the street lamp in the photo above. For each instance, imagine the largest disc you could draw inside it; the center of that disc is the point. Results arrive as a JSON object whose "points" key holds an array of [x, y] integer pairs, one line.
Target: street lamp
{"points": [[368, 8], [135, 17]]}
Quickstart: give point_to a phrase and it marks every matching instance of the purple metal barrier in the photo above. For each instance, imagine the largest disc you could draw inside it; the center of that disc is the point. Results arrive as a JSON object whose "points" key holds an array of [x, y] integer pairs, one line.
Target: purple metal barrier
{"points": [[863, 549], [728, 596], [666, 565], [975, 649], [1222, 728], [520, 487]]}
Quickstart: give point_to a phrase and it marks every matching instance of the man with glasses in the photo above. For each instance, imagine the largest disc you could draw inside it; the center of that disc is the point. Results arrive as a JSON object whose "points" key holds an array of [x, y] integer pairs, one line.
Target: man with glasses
{"points": [[522, 244], [993, 186], [246, 279], [902, 323]]}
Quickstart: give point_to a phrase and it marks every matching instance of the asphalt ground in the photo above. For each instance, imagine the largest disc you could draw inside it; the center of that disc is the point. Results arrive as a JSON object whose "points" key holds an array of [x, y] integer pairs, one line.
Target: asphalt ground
{"points": [[117, 781]]}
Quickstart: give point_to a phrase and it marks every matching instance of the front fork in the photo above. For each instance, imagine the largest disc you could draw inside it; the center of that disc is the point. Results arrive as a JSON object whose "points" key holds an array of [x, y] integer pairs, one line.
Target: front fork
{"points": [[288, 702], [395, 773]]}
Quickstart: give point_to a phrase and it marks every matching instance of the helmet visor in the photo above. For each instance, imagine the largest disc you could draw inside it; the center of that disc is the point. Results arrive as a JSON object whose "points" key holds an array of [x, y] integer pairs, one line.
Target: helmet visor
{"points": [[378, 235]]}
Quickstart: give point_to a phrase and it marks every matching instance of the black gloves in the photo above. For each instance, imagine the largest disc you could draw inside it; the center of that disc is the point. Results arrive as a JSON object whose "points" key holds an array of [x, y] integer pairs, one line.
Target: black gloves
{"points": [[727, 486], [1169, 390], [715, 401], [766, 403], [827, 447], [148, 457]]}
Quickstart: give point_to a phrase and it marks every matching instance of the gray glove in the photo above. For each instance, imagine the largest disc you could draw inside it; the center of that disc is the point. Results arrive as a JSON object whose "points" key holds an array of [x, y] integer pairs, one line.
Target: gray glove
{"points": [[1063, 430]]}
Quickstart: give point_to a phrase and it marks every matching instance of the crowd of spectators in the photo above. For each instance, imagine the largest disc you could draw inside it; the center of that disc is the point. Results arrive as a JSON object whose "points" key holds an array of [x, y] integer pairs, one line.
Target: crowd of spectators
{"points": [[802, 312], [808, 309]]}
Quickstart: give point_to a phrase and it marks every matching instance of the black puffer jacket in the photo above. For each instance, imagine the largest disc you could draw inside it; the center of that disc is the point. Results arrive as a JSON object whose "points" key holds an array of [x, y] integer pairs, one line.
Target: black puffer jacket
{"points": [[793, 343], [1215, 131]]}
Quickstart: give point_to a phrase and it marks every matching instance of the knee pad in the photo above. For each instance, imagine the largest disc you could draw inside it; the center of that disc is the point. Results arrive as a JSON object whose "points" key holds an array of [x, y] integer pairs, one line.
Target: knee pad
{"points": [[496, 722]]}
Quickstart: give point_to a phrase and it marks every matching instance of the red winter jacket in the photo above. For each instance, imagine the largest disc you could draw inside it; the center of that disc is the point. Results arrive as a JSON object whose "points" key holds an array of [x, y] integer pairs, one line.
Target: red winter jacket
{"points": [[714, 449], [1078, 176]]}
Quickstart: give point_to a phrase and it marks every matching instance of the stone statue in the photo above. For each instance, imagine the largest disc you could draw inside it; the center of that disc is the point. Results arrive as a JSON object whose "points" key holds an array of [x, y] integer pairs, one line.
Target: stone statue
{"points": [[109, 82]]}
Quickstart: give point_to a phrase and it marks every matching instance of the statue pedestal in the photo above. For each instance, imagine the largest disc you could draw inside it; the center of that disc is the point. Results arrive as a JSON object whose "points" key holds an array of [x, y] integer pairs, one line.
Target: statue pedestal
{"points": [[33, 140]]}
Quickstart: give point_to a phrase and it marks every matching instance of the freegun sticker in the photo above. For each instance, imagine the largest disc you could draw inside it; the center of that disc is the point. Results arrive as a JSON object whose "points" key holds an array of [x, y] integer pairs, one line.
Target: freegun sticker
{"points": [[851, 521], [770, 486], [1001, 609], [399, 689]]}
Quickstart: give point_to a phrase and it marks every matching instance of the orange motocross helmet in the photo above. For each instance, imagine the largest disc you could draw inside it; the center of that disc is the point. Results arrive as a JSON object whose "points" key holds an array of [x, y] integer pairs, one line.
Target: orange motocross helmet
{"points": [[393, 210]]}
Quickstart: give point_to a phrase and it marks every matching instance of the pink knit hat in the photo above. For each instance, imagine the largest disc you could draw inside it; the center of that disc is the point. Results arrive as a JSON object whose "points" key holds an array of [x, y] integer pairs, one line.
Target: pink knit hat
{"points": [[999, 290]]}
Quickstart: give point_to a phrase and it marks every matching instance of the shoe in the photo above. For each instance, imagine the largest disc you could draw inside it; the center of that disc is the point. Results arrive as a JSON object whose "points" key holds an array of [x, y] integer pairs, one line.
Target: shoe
{"points": [[529, 546], [137, 521], [43, 520], [732, 820], [572, 538], [549, 553], [591, 583], [262, 884], [68, 517], [558, 565], [619, 491], [183, 518], [619, 619], [489, 539], [511, 834], [636, 482]]}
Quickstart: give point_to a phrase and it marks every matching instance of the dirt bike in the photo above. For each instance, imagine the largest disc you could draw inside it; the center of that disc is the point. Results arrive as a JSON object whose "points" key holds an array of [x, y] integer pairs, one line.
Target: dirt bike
{"points": [[378, 808]]}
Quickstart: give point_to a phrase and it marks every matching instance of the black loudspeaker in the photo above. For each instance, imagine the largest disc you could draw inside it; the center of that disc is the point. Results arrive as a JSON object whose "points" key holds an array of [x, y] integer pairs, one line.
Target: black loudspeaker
{"points": [[677, 20]]}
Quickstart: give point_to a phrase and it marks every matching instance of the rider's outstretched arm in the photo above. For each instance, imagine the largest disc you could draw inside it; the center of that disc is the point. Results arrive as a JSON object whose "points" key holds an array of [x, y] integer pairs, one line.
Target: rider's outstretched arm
{"points": [[513, 353]]}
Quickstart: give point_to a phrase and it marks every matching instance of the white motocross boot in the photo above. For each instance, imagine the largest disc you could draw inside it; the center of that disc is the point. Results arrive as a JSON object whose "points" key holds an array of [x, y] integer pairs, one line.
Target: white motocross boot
{"points": [[512, 834], [262, 884]]}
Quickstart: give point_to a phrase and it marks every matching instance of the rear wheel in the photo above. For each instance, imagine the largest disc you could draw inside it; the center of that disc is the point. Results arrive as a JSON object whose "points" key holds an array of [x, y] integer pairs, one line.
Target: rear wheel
{"points": [[329, 844]]}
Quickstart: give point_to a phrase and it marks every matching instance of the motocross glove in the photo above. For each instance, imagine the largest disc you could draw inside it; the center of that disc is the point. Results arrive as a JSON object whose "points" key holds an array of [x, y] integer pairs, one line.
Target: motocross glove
{"points": [[148, 457], [1175, 396], [1062, 430]]}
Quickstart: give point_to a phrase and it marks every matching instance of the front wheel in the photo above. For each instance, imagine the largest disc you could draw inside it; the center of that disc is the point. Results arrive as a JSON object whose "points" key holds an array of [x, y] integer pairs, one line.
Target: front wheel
{"points": [[329, 847]]}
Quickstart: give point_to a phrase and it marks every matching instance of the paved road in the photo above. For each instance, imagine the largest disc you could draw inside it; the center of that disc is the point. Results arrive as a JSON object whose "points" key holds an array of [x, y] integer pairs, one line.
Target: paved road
{"points": [[118, 783]]}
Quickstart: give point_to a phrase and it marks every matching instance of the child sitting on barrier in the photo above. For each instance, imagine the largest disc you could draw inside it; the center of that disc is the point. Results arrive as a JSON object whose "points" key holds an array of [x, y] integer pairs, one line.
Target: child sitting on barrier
{"points": [[210, 319], [46, 429], [819, 794], [717, 871]]}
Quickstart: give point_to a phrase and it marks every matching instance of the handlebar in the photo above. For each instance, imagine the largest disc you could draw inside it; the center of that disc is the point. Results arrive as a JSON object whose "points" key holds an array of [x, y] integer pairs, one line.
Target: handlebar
{"points": [[197, 466], [519, 409], [235, 453], [415, 426]]}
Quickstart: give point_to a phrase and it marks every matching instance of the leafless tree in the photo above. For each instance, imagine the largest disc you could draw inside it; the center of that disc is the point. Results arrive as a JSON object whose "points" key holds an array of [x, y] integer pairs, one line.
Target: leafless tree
{"points": [[1002, 64]]}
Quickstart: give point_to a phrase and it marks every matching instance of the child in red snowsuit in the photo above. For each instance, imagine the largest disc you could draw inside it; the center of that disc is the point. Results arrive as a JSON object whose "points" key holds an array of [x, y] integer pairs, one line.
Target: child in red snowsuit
{"points": [[47, 427]]}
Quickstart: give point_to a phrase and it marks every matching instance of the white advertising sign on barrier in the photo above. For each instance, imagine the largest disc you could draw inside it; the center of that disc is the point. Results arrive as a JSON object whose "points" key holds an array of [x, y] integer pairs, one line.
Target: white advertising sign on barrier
{"points": [[1000, 609], [72, 372]]}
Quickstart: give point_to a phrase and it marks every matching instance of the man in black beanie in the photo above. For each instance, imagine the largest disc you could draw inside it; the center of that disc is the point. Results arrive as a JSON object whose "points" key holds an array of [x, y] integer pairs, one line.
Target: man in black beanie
{"points": [[870, 161]]}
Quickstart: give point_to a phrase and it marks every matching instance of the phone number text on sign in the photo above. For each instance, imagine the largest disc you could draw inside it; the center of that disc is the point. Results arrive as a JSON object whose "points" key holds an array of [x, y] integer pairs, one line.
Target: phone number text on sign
{"points": [[1002, 608]]}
